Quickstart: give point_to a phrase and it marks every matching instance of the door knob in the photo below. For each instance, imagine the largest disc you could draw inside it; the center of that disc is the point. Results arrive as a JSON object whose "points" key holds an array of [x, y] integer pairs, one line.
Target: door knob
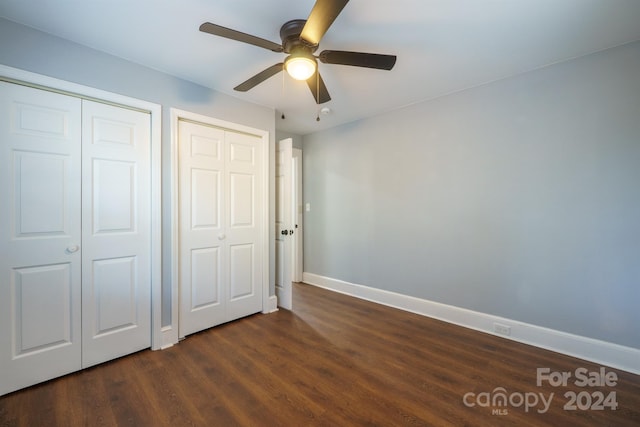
{"points": [[221, 237], [285, 232], [72, 249], [291, 232]]}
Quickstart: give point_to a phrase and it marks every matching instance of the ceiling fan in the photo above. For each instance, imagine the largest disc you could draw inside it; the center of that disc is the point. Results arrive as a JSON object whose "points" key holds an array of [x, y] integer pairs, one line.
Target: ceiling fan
{"points": [[300, 39]]}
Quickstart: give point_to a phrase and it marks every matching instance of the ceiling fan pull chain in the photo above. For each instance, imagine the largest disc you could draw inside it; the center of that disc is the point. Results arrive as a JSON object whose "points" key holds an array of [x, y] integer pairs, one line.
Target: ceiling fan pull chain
{"points": [[283, 90]]}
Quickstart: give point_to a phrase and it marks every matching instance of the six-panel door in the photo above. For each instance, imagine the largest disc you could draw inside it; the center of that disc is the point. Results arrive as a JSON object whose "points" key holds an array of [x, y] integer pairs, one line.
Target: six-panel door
{"points": [[244, 225], [40, 264], [201, 232], [116, 225]]}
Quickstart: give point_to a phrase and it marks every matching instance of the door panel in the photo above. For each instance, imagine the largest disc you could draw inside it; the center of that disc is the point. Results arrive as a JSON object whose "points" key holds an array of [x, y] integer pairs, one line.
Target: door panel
{"points": [[114, 193], [42, 297], [205, 272], [39, 236], [284, 223], [39, 196], [41, 119], [202, 263], [110, 132], [243, 232], [242, 197], [205, 195], [116, 283], [241, 280], [114, 289]]}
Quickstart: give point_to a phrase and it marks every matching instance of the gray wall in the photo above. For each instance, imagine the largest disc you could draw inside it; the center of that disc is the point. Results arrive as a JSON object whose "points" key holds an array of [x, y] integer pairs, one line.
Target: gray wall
{"points": [[31, 50], [519, 198]]}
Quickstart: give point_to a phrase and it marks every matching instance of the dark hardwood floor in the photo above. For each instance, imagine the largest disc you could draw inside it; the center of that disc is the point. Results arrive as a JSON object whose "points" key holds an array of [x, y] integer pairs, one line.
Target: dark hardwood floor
{"points": [[333, 361]]}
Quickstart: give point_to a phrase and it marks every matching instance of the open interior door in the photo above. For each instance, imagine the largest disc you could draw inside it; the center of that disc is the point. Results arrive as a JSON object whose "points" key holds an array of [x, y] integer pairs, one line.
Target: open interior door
{"points": [[284, 223]]}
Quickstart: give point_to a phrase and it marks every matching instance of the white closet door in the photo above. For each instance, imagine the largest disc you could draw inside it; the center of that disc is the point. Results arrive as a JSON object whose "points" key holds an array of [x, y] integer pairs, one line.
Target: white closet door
{"points": [[244, 212], [39, 236], [284, 223], [116, 212], [220, 221], [201, 232]]}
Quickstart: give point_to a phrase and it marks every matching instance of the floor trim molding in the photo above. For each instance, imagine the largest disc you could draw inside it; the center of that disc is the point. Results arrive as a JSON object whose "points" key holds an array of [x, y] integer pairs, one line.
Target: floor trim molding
{"points": [[597, 351]]}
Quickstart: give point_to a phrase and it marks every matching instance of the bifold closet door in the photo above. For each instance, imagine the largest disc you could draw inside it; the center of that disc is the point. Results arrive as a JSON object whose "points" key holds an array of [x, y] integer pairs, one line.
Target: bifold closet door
{"points": [[116, 227], [220, 208], [40, 236], [244, 208], [201, 232], [74, 234]]}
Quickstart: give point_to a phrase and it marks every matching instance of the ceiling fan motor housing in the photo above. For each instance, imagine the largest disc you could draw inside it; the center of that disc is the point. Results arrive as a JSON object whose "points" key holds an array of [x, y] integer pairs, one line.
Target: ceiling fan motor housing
{"points": [[290, 36]]}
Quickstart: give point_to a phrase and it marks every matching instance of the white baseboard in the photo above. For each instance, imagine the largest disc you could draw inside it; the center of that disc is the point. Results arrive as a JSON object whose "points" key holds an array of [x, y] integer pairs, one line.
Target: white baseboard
{"points": [[600, 352], [272, 305]]}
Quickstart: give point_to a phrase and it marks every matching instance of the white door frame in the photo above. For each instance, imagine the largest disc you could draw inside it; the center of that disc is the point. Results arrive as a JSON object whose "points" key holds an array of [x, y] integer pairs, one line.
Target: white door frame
{"points": [[27, 78], [171, 333]]}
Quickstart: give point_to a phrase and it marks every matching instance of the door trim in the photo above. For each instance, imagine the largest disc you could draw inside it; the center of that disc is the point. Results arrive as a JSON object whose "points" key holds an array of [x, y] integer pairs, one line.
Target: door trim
{"points": [[171, 332], [27, 78], [298, 264]]}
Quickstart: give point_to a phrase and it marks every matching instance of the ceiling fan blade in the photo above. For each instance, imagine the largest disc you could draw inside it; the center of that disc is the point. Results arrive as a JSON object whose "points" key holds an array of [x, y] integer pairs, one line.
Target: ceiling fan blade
{"points": [[318, 88], [358, 59], [217, 30], [259, 78], [322, 15]]}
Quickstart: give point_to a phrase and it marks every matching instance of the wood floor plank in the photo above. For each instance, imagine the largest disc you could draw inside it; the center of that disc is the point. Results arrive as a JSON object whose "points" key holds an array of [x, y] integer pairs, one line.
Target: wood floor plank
{"points": [[334, 361]]}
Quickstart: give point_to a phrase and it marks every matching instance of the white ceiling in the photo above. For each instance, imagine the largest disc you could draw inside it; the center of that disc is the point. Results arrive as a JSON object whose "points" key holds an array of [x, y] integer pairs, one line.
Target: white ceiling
{"points": [[442, 45]]}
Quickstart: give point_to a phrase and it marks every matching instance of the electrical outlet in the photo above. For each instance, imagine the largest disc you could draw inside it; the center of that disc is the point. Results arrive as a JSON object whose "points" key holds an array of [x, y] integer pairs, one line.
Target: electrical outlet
{"points": [[502, 329]]}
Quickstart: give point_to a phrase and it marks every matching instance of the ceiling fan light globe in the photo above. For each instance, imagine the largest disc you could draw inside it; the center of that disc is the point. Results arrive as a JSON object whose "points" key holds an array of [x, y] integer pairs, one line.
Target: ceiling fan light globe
{"points": [[300, 67]]}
